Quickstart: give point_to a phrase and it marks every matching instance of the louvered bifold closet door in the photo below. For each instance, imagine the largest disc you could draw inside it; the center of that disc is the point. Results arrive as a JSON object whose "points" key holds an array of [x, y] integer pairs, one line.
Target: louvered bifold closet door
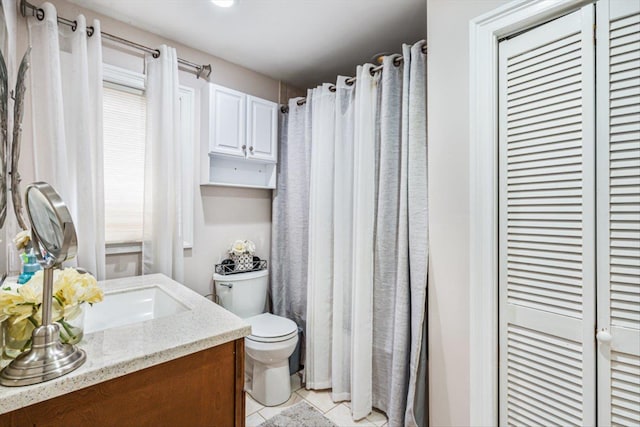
{"points": [[547, 224], [618, 212]]}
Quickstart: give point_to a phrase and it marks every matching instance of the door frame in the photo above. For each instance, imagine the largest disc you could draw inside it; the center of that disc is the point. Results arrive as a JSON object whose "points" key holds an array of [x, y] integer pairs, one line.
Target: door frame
{"points": [[484, 33]]}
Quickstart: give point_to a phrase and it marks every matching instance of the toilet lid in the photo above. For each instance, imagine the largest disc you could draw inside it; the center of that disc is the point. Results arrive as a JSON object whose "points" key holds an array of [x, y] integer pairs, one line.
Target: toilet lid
{"points": [[267, 325]]}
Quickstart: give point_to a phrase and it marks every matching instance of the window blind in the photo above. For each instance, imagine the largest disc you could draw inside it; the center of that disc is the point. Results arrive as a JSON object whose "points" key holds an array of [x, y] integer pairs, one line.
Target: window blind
{"points": [[124, 141]]}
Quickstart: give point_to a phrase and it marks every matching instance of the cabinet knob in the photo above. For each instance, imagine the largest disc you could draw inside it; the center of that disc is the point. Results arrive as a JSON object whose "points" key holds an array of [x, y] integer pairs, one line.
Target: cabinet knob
{"points": [[251, 149], [244, 147], [604, 336]]}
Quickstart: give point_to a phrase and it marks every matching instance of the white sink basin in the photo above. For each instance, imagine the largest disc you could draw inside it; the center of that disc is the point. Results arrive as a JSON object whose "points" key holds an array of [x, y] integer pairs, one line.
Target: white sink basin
{"points": [[131, 306]]}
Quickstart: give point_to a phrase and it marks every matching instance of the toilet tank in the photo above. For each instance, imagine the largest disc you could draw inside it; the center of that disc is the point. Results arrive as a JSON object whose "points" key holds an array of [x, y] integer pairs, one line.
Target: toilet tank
{"points": [[243, 294]]}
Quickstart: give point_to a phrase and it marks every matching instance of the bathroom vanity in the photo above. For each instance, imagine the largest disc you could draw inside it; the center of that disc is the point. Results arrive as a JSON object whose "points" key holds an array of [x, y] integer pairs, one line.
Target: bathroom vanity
{"points": [[157, 354]]}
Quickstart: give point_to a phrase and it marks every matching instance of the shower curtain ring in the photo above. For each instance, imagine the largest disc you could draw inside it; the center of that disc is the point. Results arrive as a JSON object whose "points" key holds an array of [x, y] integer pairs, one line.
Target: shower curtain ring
{"points": [[74, 26], [156, 54], [90, 31], [40, 14]]}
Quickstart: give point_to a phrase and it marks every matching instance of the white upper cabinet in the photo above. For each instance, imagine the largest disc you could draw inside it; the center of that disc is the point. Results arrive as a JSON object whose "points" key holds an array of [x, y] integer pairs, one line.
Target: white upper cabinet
{"points": [[262, 129], [240, 137], [242, 125], [227, 121]]}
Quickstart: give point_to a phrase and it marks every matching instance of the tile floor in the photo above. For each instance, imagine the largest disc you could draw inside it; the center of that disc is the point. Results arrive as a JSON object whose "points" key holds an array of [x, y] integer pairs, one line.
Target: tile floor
{"points": [[339, 413]]}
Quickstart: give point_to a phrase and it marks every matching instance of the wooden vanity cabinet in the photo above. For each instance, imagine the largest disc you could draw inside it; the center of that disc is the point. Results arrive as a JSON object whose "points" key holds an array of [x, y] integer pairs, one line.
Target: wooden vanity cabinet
{"points": [[200, 389]]}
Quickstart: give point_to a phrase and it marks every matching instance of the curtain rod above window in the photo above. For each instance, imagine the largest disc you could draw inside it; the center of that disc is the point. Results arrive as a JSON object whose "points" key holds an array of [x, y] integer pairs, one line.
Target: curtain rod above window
{"points": [[200, 70]]}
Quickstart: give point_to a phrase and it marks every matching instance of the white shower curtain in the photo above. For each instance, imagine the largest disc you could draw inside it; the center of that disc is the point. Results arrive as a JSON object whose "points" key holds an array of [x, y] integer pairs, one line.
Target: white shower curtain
{"points": [[367, 237], [66, 102], [320, 273], [364, 195], [342, 241], [162, 241]]}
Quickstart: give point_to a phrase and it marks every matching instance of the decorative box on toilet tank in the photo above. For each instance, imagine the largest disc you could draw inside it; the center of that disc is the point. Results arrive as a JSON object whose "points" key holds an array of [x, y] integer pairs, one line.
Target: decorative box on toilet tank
{"points": [[242, 262]]}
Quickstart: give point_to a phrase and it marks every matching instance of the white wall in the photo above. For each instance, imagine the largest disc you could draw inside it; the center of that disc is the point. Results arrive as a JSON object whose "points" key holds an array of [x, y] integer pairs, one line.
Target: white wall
{"points": [[221, 215], [448, 139]]}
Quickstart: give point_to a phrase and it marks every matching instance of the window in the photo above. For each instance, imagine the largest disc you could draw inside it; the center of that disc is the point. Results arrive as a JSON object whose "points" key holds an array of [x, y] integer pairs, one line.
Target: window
{"points": [[124, 139], [124, 123]]}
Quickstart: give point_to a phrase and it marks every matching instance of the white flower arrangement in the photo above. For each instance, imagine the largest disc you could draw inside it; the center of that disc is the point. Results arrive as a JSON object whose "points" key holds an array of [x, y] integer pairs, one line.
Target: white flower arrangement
{"points": [[21, 305], [242, 247]]}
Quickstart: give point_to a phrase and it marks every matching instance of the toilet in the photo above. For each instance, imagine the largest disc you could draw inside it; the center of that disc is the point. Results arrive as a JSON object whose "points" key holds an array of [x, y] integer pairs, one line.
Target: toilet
{"points": [[273, 338]]}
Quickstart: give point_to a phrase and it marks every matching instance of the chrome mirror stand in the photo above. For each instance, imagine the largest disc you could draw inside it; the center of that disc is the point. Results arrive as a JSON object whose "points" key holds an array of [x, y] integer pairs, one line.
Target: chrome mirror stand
{"points": [[54, 239]]}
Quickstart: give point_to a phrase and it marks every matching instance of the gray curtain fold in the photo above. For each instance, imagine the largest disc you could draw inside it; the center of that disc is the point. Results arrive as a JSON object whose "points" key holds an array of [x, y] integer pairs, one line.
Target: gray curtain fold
{"points": [[390, 287], [277, 267], [401, 243], [418, 233], [290, 216]]}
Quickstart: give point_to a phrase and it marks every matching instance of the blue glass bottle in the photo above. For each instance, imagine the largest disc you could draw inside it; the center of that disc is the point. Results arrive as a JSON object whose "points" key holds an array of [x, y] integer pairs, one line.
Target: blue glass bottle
{"points": [[29, 266]]}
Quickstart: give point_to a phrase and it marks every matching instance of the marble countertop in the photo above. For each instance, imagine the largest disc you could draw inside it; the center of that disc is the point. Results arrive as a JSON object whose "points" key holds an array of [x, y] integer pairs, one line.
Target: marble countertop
{"points": [[115, 352]]}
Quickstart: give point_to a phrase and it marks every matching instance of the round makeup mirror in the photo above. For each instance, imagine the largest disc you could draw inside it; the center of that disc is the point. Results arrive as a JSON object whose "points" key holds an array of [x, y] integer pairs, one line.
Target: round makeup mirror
{"points": [[52, 230], [54, 240]]}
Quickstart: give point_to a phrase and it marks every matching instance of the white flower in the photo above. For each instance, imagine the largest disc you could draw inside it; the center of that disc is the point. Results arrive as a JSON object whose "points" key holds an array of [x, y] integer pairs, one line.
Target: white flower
{"points": [[22, 239], [237, 248], [249, 247]]}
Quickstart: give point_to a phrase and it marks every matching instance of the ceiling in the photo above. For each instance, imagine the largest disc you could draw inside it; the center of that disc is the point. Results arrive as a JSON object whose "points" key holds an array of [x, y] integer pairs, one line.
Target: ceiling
{"points": [[302, 42]]}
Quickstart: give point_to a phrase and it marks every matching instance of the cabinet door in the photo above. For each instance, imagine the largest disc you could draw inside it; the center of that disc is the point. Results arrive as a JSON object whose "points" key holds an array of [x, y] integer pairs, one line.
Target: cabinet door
{"points": [[199, 389], [547, 224], [618, 154], [227, 115], [262, 129]]}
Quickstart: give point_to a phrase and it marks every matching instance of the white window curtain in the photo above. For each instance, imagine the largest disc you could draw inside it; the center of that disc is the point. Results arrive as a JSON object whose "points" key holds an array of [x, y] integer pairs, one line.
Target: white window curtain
{"points": [[8, 32], [8, 25], [66, 93], [365, 231], [162, 245]]}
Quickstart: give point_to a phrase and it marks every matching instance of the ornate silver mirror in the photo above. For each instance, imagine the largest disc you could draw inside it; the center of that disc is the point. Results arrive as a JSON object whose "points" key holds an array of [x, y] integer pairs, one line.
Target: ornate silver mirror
{"points": [[54, 239]]}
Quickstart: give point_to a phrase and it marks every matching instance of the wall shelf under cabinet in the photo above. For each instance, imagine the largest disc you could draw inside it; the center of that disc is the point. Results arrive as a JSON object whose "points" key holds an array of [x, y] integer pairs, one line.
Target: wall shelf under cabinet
{"points": [[224, 184], [232, 172]]}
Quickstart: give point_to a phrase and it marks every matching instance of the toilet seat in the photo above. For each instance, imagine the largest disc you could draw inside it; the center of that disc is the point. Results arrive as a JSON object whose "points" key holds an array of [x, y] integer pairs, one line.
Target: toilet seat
{"points": [[267, 327]]}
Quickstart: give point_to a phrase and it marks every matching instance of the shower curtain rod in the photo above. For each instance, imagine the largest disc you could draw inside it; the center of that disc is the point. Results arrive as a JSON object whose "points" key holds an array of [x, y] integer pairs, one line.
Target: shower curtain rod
{"points": [[39, 14], [351, 80]]}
